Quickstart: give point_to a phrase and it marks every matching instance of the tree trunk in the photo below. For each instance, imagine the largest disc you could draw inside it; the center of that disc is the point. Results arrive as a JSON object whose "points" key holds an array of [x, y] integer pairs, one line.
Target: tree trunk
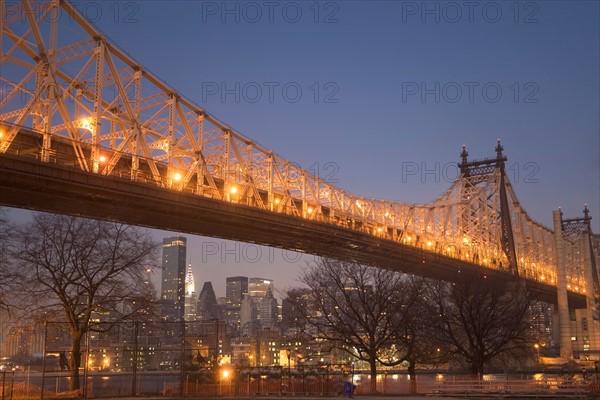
{"points": [[373, 365], [413, 377], [75, 363], [477, 370]]}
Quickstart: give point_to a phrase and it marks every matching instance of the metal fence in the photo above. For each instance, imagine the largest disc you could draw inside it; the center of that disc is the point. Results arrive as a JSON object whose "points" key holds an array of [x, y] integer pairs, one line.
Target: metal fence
{"points": [[17, 385]]}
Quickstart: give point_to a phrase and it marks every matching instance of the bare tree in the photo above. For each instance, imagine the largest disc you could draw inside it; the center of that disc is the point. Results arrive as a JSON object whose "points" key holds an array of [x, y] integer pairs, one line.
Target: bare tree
{"points": [[354, 308], [481, 320], [413, 341], [7, 276], [80, 268]]}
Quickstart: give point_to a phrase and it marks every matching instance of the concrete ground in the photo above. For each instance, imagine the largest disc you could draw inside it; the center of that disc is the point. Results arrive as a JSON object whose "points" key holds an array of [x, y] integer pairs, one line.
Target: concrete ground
{"points": [[366, 397], [382, 397]]}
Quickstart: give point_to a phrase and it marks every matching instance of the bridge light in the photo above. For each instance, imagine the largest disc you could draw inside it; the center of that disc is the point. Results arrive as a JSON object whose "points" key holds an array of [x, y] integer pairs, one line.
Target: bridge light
{"points": [[102, 159], [233, 190], [379, 229], [277, 200], [466, 240], [177, 176], [543, 277], [448, 248], [86, 123], [429, 243], [309, 210], [387, 214], [408, 238]]}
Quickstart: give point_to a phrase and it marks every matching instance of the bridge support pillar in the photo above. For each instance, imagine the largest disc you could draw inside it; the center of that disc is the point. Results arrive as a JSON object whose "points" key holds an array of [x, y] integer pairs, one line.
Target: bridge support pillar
{"points": [[590, 293], [564, 321]]}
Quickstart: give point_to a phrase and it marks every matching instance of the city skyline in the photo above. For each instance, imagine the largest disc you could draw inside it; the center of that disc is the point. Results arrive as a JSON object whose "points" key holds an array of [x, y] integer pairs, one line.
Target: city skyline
{"points": [[220, 286]]}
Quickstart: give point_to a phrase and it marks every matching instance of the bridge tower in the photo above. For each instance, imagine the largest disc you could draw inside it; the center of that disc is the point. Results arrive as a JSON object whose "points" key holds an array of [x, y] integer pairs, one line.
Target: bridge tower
{"points": [[490, 172], [564, 319], [587, 324]]}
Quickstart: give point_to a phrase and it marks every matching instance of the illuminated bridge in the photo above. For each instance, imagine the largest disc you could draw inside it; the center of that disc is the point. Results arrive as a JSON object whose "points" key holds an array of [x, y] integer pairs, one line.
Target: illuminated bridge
{"points": [[87, 130]]}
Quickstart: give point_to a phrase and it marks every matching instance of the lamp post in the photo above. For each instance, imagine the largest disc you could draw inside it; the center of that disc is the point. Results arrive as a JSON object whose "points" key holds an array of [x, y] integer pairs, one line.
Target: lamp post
{"points": [[301, 364], [537, 348], [288, 353]]}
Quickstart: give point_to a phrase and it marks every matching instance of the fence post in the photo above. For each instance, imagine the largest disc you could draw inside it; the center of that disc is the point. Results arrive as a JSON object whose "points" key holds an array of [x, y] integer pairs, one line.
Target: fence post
{"points": [[12, 385], [87, 362], [44, 359], [182, 390], [135, 361]]}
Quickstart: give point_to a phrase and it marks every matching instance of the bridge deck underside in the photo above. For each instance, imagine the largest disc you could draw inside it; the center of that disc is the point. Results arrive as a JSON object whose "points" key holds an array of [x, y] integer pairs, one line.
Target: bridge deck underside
{"points": [[25, 182]]}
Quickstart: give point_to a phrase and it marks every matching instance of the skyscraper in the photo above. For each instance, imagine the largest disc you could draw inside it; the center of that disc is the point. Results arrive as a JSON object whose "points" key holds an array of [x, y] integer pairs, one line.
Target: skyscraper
{"points": [[258, 287], [173, 277], [207, 303], [268, 311], [190, 296], [249, 323], [235, 289], [260, 290]]}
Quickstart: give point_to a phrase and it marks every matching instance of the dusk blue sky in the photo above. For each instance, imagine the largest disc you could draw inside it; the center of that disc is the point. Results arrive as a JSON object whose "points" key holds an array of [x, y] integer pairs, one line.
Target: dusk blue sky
{"points": [[369, 122]]}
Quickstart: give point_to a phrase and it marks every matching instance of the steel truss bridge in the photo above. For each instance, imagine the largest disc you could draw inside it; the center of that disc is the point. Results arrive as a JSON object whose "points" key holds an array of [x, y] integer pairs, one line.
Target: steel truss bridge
{"points": [[87, 130]]}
